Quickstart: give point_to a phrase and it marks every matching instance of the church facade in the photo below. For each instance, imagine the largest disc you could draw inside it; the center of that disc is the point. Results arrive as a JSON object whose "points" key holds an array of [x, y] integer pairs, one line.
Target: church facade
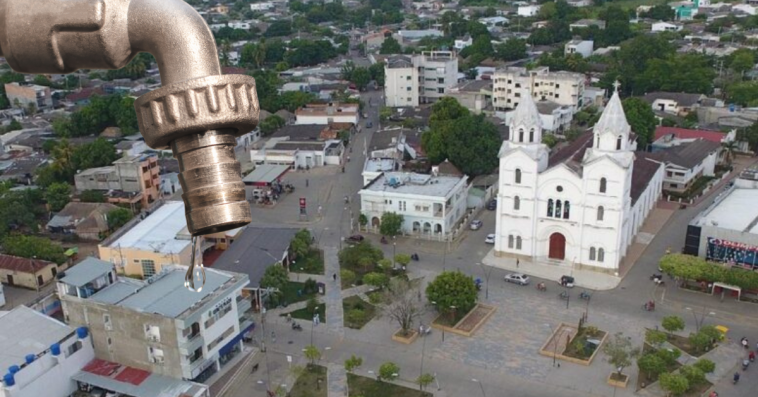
{"points": [[580, 206]]}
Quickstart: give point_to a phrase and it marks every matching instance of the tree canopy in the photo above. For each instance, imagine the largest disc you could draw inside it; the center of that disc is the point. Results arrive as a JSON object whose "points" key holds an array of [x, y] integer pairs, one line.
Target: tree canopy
{"points": [[391, 224], [33, 247], [641, 118], [452, 289]]}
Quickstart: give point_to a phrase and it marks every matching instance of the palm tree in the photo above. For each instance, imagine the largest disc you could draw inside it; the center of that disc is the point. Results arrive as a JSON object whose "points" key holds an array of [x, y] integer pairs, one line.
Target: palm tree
{"points": [[62, 154], [729, 148]]}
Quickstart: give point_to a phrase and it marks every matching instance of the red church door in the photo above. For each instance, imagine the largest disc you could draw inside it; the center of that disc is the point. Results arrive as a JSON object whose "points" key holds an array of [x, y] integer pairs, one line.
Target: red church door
{"points": [[557, 246]]}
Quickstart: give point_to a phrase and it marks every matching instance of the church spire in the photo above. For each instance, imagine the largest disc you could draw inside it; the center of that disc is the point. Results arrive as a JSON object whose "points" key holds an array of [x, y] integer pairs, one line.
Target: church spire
{"points": [[612, 130], [526, 124]]}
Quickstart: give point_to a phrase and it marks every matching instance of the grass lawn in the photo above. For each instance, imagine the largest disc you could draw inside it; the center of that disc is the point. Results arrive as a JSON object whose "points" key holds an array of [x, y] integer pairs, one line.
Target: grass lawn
{"points": [[368, 387], [304, 314], [291, 293], [313, 263], [307, 384], [357, 312]]}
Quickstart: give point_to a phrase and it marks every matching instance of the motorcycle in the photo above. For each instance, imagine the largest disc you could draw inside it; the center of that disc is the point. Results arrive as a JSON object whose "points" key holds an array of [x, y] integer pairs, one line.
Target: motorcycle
{"points": [[383, 240], [414, 257], [736, 378], [563, 295], [649, 306], [745, 364], [296, 326], [541, 287], [584, 295]]}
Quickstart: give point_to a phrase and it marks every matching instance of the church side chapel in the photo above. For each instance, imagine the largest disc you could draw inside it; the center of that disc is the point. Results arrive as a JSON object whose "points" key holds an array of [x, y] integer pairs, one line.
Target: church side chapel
{"points": [[580, 206]]}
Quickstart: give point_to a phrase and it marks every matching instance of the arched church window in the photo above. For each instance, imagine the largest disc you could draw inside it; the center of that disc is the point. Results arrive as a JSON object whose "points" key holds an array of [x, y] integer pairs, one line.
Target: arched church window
{"points": [[557, 208], [518, 242], [566, 209], [603, 185], [531, 135], [618, 142], [600, 255], [521, 135], [517, 177], [516, 203], [510, 241], [550, 208], [600, 213], [592, 253]]}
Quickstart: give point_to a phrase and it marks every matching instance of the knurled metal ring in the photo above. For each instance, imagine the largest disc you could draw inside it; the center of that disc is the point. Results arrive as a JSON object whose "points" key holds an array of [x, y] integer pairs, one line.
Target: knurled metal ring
{"points": [[207, 103]]}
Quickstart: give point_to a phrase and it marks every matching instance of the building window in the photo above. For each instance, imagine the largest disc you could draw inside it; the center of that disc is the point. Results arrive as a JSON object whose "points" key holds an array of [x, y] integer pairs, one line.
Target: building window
{"points": [[73, 348], [566, 209], [516, 203], [518, 242], [531, 135], [521, 135], [107, 322], [618, 143], [600, 213], [600, 255], [441, 80], [517, 177], [592, 253], [408, 77], [550, 208], [557, 208], [408, 89], [148, 268], [603, 185], [510, 241], [440, 90]]}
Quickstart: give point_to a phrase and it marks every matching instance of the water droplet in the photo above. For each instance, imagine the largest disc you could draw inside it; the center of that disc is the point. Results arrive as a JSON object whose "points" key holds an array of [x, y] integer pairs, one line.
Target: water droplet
{"points": [[194, 280]]}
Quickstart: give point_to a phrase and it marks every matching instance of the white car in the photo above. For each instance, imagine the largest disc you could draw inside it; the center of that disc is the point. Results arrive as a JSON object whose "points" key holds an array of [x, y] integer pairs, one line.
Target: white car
{"points": [[476, 224], [518, 278], [490, 239]]}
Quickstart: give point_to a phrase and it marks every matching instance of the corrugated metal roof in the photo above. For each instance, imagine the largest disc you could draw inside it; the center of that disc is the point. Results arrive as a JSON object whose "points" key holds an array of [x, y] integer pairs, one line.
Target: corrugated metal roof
{"points": [[24, 265], [158, 232], [86, 271]]}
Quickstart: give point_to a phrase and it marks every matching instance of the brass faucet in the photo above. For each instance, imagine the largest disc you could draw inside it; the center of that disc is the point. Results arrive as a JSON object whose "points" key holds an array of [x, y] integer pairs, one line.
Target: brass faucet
{"points": [[198, 112]]}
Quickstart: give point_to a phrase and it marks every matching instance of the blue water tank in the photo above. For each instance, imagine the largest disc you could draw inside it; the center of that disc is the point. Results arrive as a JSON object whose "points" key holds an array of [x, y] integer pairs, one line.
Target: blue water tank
{"points": [[30, 358], [81, 332], [55, 348], [13, 369], [9, 380]]}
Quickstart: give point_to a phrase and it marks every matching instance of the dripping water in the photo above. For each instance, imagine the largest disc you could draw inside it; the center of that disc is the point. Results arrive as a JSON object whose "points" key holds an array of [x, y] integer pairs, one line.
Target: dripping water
{"points": [[195, 274]]}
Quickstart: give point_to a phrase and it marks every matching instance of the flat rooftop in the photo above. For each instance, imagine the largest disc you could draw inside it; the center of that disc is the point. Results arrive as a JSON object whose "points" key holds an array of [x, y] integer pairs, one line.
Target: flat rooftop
{"points": [[86, 271], [379, 165], [413, 183], [163, 231], [26, 331], [255, 250], [738, 211], [166, 294]]}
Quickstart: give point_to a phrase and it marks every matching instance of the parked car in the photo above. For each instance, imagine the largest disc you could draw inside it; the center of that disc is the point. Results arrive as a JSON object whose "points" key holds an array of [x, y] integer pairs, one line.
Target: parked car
{"points": [[567, 281], [492, 205], [518, 278], [476, 224], [490, 239], [354, 239], [369, 124]]}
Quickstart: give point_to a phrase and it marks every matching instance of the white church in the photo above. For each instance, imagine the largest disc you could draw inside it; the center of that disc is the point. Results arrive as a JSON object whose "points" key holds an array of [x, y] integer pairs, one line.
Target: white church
{"points": [[580, 206]]}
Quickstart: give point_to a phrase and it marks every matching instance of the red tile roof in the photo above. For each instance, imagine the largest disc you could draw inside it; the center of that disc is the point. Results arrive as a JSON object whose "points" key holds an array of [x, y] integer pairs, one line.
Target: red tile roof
{"points": [[117, 371], [23, 265], [684, 133]]}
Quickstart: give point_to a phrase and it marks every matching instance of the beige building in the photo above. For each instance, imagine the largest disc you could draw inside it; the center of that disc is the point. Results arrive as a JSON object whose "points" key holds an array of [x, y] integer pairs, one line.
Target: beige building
{"points": [[563, 88], [130, 180], [27, 273], [420, 78], [158, 325], [22, 94]]}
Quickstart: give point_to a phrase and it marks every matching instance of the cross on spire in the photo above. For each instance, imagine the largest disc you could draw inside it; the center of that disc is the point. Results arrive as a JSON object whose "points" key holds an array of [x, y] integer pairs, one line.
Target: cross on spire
{"points": [[616, 86]]}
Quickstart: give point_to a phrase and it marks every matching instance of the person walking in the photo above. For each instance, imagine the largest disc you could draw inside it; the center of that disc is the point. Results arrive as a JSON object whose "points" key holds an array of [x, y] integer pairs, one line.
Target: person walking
{"points": [[334, 276], [517, 263]]}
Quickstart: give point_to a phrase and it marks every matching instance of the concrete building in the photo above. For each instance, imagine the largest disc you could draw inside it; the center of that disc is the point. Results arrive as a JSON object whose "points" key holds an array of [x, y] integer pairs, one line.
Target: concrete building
{"points": [[581, 47], [474, 95], [431, 205], [26, 273], [23, 94], [583, 204], [555, 118], [563, 88], [676, 103], [420, 78], [528, 10], [88, 221], [727, 231], [687, 161], [665, 27], [262, 6], [299, 154], [332, 112], [587, 23], [130, 180], [41, 354], [159, 325]]}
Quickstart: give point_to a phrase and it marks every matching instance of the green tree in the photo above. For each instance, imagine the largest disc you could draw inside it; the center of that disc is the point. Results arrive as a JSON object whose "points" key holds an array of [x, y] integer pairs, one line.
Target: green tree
{"points": [[694, 375], [275, 277], [641, 118], [385, 264], [453, 292], [742, 61], [669, 356], [347, 276], [378, 280], [743, 93], [99, 153], [377, 73], [352, 363], [388, 371], [705, 365], [652, 364], [403, 259], [550, 140], [57, 196], [672, 324], [675, 384], [118, 217], [385, 113], [512, 50], [660, 12], [312, 353], [92, 196], [620, 352], [351, 257], [33, 247], [424, 380], [362, 220], [655, 337], [361, 77], [271, 124], [390, 46], [392, 224]]}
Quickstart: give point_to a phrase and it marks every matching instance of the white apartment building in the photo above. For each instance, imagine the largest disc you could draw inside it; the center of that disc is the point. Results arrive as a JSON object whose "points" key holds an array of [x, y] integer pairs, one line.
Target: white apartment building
{"points": [[581, 47], [421, 78], [431, 205], [158, 325], [262, 6], [528, 10], [332, 112], [563, 88], [41, 354]]}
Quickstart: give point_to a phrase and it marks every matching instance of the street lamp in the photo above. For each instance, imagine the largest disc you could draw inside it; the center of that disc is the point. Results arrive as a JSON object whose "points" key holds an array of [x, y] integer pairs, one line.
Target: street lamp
{"points": [[481, 386], [394, 249], [555, 342], [486, 278]]}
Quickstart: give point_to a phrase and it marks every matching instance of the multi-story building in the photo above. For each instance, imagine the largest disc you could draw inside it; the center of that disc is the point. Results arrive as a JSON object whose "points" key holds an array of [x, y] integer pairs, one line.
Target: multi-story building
{"points": [[131, 179], [22, 95], [332, 112], [563, 88], [41, 354], [159, 325], [421, 78], [431, 205]]}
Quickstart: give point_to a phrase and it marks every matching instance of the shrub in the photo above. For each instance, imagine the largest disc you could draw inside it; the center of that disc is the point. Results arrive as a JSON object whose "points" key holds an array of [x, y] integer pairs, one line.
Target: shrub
{"points": [[310, 286], [355, 316], [347, 276], [705, 365], [388, 370]]}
